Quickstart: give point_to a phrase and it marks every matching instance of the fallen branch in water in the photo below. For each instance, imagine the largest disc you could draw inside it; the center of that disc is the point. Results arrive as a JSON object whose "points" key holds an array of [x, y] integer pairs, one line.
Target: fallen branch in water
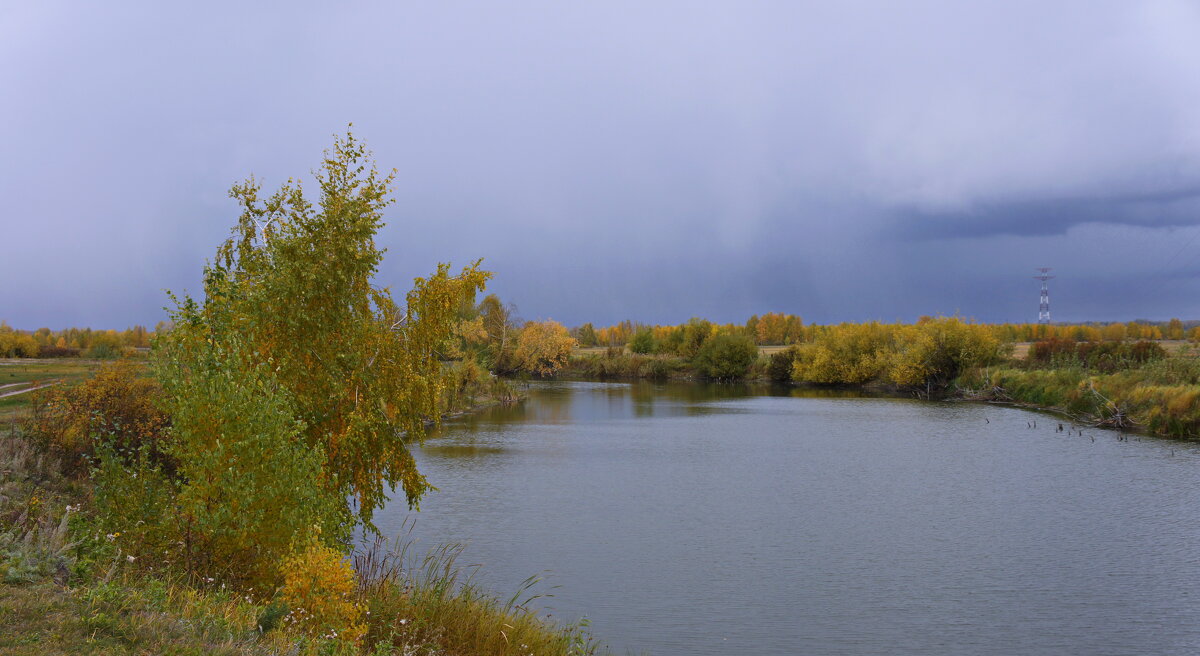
{"points": [[1117, 417]]}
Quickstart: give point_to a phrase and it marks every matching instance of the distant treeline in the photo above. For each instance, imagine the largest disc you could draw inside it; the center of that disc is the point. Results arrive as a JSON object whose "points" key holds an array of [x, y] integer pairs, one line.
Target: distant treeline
{"points": [[71, 342], [925, 355], [779, 329], [1114, 375]]}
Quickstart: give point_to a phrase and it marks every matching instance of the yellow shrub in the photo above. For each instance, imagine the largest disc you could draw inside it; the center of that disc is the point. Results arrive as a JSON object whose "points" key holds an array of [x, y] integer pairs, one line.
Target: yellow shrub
{"points": [[1182, 401], [544, 347], [116, 407], [318, 588]]}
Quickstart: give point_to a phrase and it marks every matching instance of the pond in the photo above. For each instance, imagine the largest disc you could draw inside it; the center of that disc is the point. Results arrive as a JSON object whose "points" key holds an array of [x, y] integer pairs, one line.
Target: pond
{"points": [[717, 519]]}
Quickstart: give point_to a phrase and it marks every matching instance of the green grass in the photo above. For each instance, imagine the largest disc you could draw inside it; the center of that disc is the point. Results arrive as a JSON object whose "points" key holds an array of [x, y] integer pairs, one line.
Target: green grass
{"points": [[20, 374], [1160, 397], [24, 371], [129, 615]]}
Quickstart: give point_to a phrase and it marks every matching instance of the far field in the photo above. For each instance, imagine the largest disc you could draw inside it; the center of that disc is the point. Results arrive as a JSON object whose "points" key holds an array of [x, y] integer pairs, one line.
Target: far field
{"points": [[18, 377]]}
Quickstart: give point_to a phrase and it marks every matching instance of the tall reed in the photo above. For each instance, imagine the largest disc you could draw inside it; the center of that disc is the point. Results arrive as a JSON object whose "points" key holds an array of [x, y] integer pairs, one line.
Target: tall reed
{"points": [[430, 603]]}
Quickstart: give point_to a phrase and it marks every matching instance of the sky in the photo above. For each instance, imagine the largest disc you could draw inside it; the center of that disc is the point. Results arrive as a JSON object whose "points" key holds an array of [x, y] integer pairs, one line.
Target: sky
{"points": [[656, 161]]}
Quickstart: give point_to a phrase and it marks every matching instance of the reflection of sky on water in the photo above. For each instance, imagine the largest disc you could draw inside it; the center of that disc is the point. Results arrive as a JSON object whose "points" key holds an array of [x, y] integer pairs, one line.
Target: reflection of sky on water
{"points": [[675, 516]]}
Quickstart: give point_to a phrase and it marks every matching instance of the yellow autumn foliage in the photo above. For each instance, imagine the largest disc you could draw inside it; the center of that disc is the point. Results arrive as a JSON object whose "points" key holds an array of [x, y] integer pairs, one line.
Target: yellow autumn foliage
{"points": [[930, 353], [543, 347], [117, 406], [318, 589]]}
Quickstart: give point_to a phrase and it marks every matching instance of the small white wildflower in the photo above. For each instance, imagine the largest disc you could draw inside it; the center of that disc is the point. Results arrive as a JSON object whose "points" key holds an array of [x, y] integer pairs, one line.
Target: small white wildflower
{"points": [[130, 558], [404, 621]]}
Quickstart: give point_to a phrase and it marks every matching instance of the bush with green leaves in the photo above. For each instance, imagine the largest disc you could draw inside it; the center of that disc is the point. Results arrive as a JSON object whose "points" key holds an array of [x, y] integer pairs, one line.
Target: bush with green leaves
{"points": [[781, 363], [250, 483], [726, 357], [643, 341]]}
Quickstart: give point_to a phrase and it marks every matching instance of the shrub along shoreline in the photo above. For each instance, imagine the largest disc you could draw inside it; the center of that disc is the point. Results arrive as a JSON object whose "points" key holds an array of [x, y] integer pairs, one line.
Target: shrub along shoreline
{"points": [[75, 577], [1130, 385], [1161, 399]]}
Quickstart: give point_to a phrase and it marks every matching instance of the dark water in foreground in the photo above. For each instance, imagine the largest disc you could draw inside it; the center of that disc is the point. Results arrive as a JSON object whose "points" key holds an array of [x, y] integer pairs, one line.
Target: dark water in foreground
{"points": [[687, 519]]}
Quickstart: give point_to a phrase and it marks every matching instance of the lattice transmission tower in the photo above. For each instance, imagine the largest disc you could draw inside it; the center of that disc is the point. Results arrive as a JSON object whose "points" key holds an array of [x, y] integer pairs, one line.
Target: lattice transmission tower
{"points": [[1044, 307]]}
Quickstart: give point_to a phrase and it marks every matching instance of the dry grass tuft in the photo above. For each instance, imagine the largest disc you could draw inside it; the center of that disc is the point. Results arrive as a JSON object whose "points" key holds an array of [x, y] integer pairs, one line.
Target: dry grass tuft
{"points": [[429, 604]]}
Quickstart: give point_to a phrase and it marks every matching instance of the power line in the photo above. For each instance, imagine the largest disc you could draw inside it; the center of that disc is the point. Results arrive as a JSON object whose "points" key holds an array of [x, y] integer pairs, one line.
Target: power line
{"points": [[1044, 307]]}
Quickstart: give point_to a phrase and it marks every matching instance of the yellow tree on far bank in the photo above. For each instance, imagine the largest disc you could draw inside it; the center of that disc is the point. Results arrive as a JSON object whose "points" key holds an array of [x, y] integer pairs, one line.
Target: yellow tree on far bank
{"points": [[543, 347]]}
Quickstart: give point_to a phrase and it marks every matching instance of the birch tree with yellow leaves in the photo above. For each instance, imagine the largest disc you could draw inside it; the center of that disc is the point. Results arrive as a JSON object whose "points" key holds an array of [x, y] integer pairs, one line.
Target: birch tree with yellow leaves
{"points": [[347, 377]]}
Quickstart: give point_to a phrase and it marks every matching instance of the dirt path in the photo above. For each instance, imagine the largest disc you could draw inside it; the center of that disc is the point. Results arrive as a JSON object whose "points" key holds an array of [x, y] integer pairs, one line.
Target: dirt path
{"points": [[29, 389]]}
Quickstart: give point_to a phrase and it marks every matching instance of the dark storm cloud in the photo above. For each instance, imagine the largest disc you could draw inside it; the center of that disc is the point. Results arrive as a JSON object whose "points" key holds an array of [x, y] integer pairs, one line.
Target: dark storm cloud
{"points": [[1053, 216], [609, 160]]}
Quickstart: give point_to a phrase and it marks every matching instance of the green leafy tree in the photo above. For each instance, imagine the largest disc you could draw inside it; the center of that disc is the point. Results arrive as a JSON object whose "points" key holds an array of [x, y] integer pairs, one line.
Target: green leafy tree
{"points": [[498, 324], [586, 335], [780, 366], [290, 306], [643, 341], [251, 482], [688, 338], [935, 351], [726, 357], [104, 345]]}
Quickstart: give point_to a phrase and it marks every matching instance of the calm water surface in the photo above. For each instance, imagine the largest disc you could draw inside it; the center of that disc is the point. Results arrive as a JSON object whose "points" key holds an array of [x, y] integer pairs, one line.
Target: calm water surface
{"points": [[690, 519]]}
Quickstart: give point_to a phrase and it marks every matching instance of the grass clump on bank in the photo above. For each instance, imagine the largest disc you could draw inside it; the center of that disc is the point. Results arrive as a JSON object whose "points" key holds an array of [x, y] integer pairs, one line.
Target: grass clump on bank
{"points": [[1160, 395], [434, 603]]}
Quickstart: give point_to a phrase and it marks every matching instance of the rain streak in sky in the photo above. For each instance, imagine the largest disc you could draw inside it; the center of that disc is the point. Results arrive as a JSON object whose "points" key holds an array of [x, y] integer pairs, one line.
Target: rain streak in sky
{"points": [[651, 161]]}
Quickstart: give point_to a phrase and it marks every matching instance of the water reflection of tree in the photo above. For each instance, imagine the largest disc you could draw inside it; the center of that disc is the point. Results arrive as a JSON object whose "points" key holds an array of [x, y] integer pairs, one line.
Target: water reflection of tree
{"points": [[830, 393], [568, 402], [470, 450]]}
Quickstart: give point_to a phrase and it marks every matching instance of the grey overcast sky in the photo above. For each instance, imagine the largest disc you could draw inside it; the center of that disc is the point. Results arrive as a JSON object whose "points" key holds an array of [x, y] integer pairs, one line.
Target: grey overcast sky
{"points": [[608, 160]]}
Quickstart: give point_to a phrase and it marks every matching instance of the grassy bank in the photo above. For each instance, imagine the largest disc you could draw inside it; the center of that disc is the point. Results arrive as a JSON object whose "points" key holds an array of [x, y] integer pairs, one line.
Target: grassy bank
{"points": [[72, 582], [67, 589], [1160, 397]]}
